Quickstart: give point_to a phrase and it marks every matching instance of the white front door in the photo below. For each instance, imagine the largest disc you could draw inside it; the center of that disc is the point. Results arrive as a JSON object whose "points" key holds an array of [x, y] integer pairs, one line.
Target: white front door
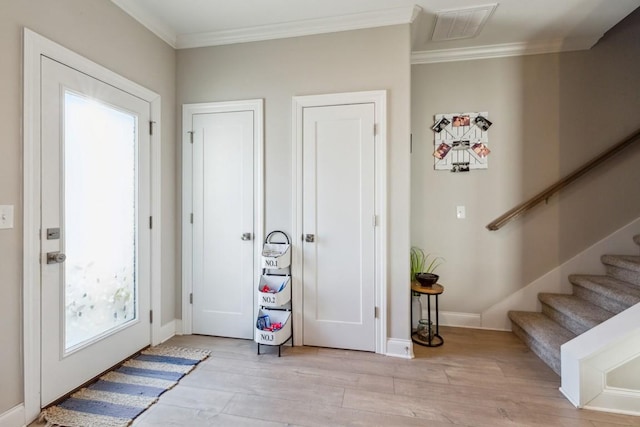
{"points": [[224, 215], [95, 194], [339, 226]]}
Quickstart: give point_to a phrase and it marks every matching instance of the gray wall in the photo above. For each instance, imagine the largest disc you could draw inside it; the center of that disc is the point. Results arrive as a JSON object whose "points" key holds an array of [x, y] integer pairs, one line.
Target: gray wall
{"points": [[551, 114], [100, 31], [340, 62]]}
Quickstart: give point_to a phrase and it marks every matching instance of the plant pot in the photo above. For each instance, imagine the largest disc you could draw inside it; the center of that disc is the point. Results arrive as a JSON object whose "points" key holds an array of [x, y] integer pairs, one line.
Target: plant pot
{"points": [[427, 279]]}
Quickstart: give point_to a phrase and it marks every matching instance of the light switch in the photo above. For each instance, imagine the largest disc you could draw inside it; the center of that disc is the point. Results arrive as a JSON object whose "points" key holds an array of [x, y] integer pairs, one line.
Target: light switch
{"points": [[461, 212], [6, 216]]}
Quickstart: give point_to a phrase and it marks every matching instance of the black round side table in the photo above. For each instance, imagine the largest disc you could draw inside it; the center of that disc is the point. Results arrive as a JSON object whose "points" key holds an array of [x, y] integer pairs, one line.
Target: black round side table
{"points": [[432, 340]]}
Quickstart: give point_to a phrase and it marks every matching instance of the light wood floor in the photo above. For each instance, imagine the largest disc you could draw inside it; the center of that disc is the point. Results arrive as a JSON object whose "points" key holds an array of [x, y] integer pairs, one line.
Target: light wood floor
{"points": [[478, 378]]}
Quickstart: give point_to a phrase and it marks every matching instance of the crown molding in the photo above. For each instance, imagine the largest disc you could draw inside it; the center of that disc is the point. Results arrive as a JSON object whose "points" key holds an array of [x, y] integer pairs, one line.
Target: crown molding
{"points": [[381, 18], [502, 50], [159, 28]]}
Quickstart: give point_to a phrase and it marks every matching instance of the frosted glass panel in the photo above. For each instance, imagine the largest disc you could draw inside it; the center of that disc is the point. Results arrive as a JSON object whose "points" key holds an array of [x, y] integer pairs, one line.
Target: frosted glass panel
{"points": [[99, 219]]}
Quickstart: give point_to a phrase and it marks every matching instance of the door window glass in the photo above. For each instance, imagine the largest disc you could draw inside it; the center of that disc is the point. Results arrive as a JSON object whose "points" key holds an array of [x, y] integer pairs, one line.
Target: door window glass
{"points": [[100, 144]]}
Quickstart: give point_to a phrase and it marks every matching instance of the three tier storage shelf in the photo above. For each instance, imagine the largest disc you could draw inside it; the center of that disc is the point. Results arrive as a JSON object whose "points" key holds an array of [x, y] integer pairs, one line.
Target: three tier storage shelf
{"points": [[274, 324]]}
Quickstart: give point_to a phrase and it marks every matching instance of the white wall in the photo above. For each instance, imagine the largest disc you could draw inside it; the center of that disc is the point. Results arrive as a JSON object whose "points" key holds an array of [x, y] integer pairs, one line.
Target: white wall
{"points": [[340, 62], [103, 33], [625, 376], [550, 113]]}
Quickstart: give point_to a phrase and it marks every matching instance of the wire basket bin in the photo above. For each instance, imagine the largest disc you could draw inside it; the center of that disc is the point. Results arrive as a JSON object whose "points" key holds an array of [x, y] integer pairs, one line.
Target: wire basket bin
{"points": [[273, 327], [274, 291], [276, 255]]}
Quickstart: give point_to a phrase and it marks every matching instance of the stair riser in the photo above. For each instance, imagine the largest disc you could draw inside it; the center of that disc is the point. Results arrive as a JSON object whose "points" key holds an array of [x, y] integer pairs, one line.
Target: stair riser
{"points": [[564, 320], [623, 274], [599, 299], [537, 348]]}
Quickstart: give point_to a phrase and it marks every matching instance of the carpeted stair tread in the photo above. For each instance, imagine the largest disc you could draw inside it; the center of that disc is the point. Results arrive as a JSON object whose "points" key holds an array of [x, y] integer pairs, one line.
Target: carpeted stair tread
{"points": [[542, 335], [609, 293], [623, 267], [595, 299], [628, 262], [573, 313]]}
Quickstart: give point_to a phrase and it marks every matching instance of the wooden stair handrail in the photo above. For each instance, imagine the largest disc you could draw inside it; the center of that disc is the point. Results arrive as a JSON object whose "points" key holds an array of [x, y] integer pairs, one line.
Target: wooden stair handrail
{"points": [[522, 208]]}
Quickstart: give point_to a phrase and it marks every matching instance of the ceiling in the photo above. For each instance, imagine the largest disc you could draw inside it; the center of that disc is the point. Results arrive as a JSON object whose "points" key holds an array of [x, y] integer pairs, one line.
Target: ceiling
{"points": [[515, 27]]}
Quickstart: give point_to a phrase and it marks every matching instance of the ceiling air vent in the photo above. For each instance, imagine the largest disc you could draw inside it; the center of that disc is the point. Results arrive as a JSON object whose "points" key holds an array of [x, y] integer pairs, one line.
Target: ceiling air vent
{"points": [[464, 23]]}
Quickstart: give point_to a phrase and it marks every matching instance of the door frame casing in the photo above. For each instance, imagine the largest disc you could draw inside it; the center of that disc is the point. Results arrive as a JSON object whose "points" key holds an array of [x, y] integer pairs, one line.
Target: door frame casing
{"points": [[188, 110], [299, 103], [36, 46]]}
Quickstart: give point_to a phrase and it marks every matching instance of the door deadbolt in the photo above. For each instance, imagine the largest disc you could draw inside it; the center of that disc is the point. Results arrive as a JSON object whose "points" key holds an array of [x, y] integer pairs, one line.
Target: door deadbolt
{"points": [[310, 238], [55, 257], [53, 233]]}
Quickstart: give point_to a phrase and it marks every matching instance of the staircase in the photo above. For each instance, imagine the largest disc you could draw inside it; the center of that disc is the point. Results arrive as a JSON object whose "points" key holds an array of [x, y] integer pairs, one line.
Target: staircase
{"points": [[594, 300]]}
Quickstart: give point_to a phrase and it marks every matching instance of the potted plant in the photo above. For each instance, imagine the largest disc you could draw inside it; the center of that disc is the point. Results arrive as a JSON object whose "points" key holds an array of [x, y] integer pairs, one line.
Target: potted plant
{"points": [[423, 267]]}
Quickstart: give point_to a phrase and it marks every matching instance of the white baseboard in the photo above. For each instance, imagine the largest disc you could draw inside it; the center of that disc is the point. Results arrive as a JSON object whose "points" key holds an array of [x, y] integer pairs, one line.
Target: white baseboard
{"points": [[460, 320], [14, 417], [616, 403], [557, 280], [456, 319], [570, 398], [179, 330], [167, 331], [400, 348]]}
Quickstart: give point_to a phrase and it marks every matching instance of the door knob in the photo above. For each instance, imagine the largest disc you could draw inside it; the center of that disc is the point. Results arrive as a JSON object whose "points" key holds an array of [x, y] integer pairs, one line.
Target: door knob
{"points": [[309, 238], [246, 236], [55, 257]]}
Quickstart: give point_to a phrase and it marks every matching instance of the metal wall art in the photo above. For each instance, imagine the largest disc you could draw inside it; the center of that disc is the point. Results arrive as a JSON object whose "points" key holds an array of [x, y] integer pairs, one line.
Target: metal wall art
{"points": [[460, 141]]}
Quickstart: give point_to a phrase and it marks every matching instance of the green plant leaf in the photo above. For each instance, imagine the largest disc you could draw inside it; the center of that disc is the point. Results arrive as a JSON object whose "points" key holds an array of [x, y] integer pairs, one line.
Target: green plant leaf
{"points": [[420, 262]]}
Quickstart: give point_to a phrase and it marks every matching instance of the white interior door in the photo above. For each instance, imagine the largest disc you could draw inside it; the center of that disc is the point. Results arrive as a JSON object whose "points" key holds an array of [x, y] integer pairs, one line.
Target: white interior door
{"points": [[339, 226], [95, 194], [223, 226]]}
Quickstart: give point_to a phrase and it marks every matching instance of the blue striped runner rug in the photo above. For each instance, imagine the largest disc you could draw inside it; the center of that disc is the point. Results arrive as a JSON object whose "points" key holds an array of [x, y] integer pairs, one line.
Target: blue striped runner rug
{"points": [[119, 396]]}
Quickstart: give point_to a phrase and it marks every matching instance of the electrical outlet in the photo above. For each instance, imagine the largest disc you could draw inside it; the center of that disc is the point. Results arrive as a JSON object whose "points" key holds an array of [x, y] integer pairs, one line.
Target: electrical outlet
{"points": [[461, 212], [6, 216]]}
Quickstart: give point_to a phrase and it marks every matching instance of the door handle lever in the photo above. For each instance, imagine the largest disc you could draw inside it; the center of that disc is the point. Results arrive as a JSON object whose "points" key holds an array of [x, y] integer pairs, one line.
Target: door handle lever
{"points": [[246, 236], [310, 238]]}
